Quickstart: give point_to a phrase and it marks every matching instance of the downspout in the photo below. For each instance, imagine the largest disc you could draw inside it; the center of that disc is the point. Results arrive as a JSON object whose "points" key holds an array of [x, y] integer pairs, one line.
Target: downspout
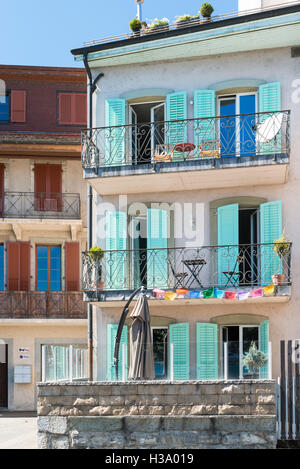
{"points": [[92, 87]]}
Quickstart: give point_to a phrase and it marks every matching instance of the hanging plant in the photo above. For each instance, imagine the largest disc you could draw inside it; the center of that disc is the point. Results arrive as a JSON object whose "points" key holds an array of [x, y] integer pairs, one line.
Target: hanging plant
{"points": [[254, 359], [281, 246]]}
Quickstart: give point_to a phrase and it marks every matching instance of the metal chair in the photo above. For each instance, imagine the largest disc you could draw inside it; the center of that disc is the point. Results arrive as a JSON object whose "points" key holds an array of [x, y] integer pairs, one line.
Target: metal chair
{"points": [[233, 276], [179, 276], [163, 152], [210, 149]]}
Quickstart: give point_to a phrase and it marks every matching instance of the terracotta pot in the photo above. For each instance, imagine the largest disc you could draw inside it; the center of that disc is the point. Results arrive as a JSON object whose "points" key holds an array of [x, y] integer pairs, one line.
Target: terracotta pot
{"points": [[278, 279], [100, 285]]}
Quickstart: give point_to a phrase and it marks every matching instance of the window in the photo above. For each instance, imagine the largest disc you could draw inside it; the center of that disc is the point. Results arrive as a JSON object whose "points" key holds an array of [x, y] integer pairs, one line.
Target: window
{"points": [[72, 109], [1, 267], [64, 362], [48, 268], [5, 109]]}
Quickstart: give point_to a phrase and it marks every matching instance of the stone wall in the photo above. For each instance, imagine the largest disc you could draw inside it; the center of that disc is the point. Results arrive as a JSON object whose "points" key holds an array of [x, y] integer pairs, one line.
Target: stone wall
{"points": [[198, 414]]}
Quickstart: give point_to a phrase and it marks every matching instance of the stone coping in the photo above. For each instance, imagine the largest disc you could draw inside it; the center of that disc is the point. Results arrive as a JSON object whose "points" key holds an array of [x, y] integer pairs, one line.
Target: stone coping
{"points": [[158, 383]]}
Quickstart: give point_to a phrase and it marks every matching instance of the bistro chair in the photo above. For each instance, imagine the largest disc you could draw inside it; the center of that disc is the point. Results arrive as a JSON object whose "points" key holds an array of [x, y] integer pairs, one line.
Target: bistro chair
{"points": [[210, 149], [233, 276], [163, 152], [178, 276]]}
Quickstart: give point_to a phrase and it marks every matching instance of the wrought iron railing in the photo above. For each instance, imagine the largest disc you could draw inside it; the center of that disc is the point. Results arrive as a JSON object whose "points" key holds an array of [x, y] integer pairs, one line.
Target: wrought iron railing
{"points": [[251, 265], [39, 205], [39, 305], [246, 135]]}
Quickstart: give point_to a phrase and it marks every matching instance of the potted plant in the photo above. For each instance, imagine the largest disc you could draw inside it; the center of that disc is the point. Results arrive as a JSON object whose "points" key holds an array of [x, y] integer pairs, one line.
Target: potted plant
{"points": [[254, 359], [96, 255], [184, 19], [160, 25], [206, 11], [281, 248], [135, 26]]}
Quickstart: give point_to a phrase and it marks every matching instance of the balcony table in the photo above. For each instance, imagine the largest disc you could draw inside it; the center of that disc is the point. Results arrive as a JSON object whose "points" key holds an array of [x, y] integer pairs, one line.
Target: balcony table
{"points": [[185, 148], [194, 266]]}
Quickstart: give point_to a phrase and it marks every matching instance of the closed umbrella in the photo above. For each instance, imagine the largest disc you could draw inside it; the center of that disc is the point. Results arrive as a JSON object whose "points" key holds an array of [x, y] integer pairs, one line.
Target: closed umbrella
{"points": [[141, 364]]}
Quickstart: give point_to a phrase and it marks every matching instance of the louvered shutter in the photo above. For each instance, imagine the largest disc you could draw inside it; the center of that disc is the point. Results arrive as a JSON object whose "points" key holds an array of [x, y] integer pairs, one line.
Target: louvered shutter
{"points": [[207, 351], [179, 337], [270, 231], [72, 266], [65, 108], [157, 248], [18, 106], [228, 236], [269, 102], [264, 347], [18, 266], [116, 244], [115, 133], [176, 110], [54, 187], [80, 104], [111, 337], [204, 112]]}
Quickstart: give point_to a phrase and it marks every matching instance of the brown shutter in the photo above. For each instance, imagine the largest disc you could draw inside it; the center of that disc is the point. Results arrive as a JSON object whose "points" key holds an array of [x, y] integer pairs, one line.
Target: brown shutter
{"points": [[18, 266], [65, 108], [40, 185], [1, 189], [54, 174], [72, 267], [18, 106], [80, 113]]}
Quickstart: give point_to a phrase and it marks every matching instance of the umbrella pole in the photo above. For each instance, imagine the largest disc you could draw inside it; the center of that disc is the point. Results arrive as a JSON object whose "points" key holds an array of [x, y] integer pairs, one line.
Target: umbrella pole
{"points": [[120, 328]]}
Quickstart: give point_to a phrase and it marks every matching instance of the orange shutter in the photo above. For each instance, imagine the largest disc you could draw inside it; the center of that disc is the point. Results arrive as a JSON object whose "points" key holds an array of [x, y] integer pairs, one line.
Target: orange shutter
{"points": [[65, 108], [18, 106], [18, 266], [72, 266], [80, 113]]}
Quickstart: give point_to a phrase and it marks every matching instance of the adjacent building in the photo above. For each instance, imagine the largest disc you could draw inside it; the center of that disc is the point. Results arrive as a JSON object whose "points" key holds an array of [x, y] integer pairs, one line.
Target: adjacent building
{"points": [[42, 229], [193, 161]]}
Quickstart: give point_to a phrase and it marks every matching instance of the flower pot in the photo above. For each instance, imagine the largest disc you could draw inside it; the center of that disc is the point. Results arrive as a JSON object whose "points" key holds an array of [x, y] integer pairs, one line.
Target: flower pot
{"points": [[191, 22], [100, 286], [158, 29], [278, 279]]}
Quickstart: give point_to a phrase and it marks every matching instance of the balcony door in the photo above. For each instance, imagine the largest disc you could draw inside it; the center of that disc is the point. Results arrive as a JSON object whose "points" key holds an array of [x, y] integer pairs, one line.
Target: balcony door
{"points": [[237, 122], [48, 268], [147, 130]]}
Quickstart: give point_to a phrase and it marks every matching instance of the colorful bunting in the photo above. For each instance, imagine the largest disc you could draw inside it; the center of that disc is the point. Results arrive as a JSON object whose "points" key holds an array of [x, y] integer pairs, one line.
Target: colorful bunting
{"points": [[243, 295], [196, 294], [219, 293], [209, 293], [181, 292], [159, 293], [257, 293], [170, 296], [269, 290], [230, 295]]}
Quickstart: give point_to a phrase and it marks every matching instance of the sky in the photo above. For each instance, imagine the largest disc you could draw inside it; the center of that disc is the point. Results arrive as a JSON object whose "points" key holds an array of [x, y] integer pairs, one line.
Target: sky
{"points": [[35, 32]]}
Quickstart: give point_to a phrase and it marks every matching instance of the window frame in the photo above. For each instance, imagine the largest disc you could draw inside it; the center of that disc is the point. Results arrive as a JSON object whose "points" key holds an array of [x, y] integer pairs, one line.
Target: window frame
{"points": [[48, 246]]}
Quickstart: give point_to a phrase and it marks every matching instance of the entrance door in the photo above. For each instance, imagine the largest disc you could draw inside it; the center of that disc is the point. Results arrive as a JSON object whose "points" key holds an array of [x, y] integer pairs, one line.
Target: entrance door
{"points": [[239, 340], [3, 376], [238, 118], [160, 348]]}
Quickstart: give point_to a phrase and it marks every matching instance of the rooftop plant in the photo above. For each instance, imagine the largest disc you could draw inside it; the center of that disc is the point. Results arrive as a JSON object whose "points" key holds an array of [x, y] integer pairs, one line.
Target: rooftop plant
{"points": [[206, 10], [183, 18], [135, 25], [156, 23]]}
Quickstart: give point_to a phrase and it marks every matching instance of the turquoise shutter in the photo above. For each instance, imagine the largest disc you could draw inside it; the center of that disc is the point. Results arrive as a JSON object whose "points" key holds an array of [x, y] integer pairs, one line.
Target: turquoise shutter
{"points": [[157, 248], [115, 115], [204, 108], [111, 337], [264, 347], [270, 101], [176, 132], [207, 351], [270, 231], [228, 235], [116, 257], [179, 337]]}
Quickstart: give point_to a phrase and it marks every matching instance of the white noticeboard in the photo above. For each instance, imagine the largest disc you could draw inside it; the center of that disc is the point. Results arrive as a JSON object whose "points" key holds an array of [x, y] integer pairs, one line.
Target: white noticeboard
{"points": [[22, 374]]}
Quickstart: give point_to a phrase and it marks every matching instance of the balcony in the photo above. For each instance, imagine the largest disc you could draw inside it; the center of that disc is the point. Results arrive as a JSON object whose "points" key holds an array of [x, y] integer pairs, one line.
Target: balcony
{"points": [[40, 205], [188, 154], [42, 305], [239, 268]]}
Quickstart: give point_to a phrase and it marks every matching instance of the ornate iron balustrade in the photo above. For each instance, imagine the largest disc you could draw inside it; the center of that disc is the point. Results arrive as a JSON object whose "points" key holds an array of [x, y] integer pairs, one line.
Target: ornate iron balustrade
{"points": [[39, 205], [42, 305], [249, 266], [246, 135]]}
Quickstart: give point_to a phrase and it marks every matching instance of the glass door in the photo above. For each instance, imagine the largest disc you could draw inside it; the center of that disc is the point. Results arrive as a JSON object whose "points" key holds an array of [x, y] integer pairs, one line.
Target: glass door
{"points": [[238, 340], [228, 126], [249, 335], [160, 348]]}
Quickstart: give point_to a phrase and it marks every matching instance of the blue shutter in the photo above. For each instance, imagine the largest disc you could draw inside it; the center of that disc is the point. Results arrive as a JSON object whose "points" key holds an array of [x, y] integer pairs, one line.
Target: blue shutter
{"points": [[204, 108], [157, 248], [111, 337], [228, 236], [269, 102], [116, 258], [176, 132], [179, 337], [207, 351], [4, 108], [270, 231], [115, 120], [264, 347]]}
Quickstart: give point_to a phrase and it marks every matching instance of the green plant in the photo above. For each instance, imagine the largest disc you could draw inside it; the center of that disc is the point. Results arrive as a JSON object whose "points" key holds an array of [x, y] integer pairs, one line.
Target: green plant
{"points": [[281, 246], [206, 10], [158, 23], [96, 254], [183, 18], [254, 359], [135, 25]]}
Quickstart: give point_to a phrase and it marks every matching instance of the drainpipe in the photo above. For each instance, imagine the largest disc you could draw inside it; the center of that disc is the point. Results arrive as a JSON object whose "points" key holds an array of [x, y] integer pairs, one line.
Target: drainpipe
{"points": [[92, 87]]}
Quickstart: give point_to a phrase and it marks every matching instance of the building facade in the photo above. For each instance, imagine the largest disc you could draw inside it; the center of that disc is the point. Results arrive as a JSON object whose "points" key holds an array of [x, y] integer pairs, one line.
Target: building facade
{"points": [[193, 163], [42, 229]]}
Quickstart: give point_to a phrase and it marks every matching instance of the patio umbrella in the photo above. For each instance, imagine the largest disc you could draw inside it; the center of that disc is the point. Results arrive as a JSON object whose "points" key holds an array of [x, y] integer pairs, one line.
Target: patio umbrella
{"points": [[141, 364]]}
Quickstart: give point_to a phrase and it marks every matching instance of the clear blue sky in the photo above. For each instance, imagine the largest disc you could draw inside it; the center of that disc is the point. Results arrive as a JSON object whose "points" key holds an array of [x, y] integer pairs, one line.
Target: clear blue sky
{"points": [[35, 32]]}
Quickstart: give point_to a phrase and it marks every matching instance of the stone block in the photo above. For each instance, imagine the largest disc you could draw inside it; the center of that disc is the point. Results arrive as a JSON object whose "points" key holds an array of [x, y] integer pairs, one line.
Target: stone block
{"points": [[199, 424], [233, 389], [230, 423], [90, 402], [156, 410], [148, 424], [143, 439], [100, 410], [96, 424], [265, 399], [57, 425], [42, 440], [261, 409], [60, 443], [124, 389], [204, 410], [228, 409]]}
